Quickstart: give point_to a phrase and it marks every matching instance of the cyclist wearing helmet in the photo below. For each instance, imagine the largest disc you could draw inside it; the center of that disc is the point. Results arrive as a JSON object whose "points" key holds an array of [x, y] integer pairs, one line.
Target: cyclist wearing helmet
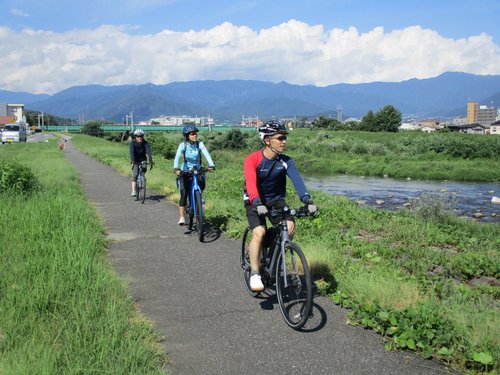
{"points": [[265, 187], [139, 149], [190, 150]]}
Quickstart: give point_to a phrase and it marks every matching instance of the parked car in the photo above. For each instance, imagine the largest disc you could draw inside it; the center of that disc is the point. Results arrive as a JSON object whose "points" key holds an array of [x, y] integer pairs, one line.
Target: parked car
{"points": [[14, 133]]}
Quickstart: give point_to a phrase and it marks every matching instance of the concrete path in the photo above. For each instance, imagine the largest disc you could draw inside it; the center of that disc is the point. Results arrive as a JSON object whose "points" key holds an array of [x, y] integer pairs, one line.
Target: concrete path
{"points": [[194, 294]]}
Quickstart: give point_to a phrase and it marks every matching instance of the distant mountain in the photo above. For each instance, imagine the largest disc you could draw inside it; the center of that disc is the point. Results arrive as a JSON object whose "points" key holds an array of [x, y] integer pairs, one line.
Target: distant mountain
{"points": [[442, 96], [20, 97]]}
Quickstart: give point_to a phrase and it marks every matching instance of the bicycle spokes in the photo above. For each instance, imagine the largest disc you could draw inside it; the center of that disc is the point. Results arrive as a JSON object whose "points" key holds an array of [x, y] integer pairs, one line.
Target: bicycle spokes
{"points": [[294, 286]]}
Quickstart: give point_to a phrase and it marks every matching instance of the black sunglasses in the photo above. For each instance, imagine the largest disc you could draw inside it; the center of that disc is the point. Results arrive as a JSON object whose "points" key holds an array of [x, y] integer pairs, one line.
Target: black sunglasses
{"points": [[281, 138], [193, 133]]}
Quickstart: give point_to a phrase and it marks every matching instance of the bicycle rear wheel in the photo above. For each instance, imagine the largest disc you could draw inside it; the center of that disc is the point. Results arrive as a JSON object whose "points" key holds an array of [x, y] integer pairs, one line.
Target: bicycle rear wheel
{"points": [[245, 261], [294, 298], [199, 215]]}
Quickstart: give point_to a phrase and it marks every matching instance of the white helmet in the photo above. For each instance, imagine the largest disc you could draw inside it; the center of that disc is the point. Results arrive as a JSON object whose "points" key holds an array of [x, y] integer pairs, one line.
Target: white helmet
{"points": [[139, 132]]}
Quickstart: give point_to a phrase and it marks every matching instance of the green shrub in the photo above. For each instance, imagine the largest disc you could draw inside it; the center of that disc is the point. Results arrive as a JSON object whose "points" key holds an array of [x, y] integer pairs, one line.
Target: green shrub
{"points": [[92, 128], [16, 177], [163, 144]]}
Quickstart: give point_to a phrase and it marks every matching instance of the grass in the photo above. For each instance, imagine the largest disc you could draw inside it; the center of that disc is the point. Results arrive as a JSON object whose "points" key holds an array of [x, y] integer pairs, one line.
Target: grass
{"points": [[62, 309], [403, 274]]}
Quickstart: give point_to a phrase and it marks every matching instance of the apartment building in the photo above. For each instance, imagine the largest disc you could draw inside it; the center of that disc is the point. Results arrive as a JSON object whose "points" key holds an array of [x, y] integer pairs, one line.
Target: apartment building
{"points": [[481, 114]]}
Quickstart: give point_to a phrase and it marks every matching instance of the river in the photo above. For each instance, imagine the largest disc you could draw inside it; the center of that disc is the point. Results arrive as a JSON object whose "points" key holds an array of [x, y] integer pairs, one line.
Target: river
{"points": [[466, 199]]}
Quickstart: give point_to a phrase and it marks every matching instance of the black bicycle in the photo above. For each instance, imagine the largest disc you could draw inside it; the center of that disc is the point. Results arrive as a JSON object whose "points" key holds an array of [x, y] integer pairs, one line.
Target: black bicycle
{"points": [[140, 185], [284, 265], [194, 211]]}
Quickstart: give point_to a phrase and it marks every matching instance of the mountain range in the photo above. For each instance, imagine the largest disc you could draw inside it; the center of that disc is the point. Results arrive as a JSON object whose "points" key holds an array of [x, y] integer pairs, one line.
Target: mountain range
{"points": [[444, 96]]}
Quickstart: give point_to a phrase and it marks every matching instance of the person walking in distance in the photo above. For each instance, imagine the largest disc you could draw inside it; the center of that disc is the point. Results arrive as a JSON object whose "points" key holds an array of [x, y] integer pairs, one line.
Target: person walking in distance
{"points": [[265, 174], [139, 152], [190, 151]]}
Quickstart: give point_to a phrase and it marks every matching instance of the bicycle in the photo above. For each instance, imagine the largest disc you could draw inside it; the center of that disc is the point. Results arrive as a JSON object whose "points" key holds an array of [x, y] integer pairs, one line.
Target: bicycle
{"points": [[140, 185], [282, 264], [194, 210]]}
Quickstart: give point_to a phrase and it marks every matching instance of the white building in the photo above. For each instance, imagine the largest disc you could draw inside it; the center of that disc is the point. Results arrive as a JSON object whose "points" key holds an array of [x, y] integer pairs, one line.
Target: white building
{"points": [[181, 120]]}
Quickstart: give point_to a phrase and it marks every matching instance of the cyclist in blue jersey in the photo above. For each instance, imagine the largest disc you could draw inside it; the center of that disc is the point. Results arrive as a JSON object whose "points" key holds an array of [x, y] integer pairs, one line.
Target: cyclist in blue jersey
{"points": [[190, 151], [139, 151], [265, 187]]}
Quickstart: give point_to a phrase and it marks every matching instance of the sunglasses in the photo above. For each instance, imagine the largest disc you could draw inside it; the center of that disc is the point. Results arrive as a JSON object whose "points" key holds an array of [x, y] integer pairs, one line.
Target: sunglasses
{"points": [[193, 133], [281, 138]]}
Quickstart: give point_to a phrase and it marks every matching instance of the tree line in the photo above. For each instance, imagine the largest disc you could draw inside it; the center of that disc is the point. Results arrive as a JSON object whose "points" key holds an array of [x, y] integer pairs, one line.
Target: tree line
{"points": [[388, 119]]}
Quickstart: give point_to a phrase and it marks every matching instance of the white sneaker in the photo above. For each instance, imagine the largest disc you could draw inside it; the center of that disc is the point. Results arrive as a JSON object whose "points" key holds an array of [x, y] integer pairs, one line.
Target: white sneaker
{"points": [[256, 283], [181, 221], [133, 194]]}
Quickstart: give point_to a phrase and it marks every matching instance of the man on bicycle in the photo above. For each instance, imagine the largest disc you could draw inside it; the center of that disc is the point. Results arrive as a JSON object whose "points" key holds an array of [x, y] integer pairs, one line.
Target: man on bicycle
{"points": [[265, 187], [139, 149]]}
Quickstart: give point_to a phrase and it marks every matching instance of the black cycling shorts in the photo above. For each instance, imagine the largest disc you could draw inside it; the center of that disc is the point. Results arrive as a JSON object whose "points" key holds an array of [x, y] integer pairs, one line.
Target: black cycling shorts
{"points": [[255, 220]]}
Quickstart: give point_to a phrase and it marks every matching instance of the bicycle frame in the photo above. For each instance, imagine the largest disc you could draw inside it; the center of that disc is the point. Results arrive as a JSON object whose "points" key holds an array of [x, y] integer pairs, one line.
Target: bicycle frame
{"points": [[195, 186], [283, 239]]}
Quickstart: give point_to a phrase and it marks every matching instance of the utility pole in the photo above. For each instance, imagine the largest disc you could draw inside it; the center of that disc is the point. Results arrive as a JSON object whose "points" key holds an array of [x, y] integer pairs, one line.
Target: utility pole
{"points": [[40, 124], [131, 117]]}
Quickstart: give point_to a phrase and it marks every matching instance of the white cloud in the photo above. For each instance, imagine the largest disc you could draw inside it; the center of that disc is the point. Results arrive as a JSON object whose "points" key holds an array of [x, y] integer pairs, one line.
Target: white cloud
{"points": [[18, 12], [41, 61]]}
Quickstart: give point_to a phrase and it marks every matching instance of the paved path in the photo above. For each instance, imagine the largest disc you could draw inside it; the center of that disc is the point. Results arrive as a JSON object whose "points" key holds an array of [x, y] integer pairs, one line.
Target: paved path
{"points": [[194, 294]]}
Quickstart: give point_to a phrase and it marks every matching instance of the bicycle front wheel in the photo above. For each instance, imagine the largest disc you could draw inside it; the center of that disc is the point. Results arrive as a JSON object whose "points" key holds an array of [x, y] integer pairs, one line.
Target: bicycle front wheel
{"points": [[245, 261], [142, 192], [294, 286], [199, 215], [138, 188]]}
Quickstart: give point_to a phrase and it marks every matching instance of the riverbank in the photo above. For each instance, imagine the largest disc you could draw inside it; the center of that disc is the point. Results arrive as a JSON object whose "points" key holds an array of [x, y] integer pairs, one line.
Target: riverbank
{"points": [[426, 281]]}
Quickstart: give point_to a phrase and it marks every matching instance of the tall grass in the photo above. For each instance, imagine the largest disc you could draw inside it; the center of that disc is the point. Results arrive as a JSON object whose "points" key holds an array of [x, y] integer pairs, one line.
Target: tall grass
{"points": [[62, 309], [402, 274]]}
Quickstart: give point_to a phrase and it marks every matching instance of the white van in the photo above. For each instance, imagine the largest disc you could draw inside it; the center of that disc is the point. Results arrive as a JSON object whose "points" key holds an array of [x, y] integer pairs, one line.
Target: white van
{"points": [[14, 133]]}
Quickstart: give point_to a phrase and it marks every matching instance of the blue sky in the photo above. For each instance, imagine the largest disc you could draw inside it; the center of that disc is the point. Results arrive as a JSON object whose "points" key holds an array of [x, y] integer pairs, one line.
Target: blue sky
{"points": [[54, 44]]}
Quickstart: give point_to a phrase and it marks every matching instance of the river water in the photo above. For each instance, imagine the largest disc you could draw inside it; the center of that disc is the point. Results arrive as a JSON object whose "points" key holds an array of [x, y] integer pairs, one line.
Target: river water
{"points": [[465, 199]]}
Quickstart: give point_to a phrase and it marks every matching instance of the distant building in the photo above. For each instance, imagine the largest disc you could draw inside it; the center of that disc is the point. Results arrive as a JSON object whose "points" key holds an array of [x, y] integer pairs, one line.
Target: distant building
{"points": [[12, 110], [249, 121], [472, 108], [481, 114], [471, 128], [495, 128], [181, 120], [408, 126], [460, 121], [486, 115]]}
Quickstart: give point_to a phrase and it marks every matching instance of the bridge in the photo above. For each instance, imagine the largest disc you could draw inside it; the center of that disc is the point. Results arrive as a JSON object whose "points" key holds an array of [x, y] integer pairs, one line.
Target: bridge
{"points": [[147, 128]]}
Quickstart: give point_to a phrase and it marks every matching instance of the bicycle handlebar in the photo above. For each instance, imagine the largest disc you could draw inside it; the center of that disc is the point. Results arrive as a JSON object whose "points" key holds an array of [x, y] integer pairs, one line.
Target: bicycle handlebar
{"points": [[191, 172], [294, 212]]}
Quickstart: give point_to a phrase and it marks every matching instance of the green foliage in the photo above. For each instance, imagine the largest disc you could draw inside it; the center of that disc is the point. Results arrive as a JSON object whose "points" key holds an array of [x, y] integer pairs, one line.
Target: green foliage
{"points": [[233, 139], [368, 123], [93, 128], [433, 206], [63, 310], [17, 178], [388, 119], [163, 144]]}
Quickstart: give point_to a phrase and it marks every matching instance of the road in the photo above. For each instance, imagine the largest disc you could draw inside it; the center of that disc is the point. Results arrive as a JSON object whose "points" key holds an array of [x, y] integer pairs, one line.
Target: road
{"points": [[194, 295]]}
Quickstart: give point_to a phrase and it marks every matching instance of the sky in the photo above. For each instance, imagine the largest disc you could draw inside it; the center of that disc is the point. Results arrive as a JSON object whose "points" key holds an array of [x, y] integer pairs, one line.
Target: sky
{"points": [[49, 45]]}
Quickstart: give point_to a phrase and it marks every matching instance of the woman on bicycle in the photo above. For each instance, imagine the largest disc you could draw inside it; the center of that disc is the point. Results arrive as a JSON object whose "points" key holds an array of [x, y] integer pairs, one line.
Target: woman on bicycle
{"points": [[265, 187], [190, 150], [139, 152]]}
